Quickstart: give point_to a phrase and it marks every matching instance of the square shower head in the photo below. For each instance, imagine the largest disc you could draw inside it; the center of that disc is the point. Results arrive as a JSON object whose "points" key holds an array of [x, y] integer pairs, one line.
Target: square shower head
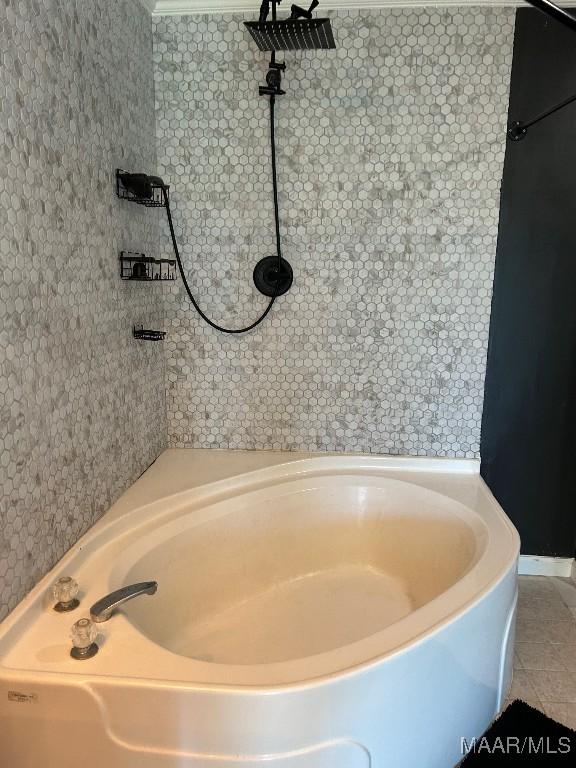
{"points": [[292, 34]]}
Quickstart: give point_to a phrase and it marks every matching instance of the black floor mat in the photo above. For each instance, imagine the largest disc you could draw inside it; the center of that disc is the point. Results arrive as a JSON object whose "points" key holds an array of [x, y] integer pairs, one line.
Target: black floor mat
{"points": [[522, 736]]}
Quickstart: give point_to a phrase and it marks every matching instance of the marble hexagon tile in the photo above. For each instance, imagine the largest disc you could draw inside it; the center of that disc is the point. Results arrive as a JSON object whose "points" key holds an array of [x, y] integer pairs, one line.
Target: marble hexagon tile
{"points": [[390, 153]]}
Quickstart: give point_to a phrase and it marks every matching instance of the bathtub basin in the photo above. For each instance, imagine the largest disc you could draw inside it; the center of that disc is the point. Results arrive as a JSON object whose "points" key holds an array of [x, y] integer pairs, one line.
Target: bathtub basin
{"points": [[327, 612]]}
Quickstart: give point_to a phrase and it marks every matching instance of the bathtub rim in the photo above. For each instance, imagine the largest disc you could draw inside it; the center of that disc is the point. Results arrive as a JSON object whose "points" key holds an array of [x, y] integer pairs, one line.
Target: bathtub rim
{"points": [[224, 488]]}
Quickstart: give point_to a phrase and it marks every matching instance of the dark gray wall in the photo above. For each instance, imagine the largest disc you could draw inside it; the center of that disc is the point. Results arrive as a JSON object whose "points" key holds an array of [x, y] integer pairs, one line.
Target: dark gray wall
{"points": [[529, 425]]}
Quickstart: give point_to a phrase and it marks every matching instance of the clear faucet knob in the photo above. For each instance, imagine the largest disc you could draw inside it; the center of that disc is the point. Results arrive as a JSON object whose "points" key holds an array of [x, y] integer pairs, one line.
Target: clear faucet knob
{"points": [[65, 590], [83, 634]]}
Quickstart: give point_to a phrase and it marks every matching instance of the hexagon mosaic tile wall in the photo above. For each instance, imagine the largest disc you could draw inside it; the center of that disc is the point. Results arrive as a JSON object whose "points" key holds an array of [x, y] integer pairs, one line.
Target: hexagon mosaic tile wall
{"points": [[390, 159], [82, 406]]}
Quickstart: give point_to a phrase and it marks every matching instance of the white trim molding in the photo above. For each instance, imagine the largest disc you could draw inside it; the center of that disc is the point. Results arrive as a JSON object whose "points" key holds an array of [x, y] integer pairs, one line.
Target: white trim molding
{"points": [[187, 7], [536, 565]]}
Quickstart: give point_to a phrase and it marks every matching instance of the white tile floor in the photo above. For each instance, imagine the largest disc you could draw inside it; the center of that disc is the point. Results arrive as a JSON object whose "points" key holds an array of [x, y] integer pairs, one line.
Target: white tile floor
{"points": [[545, 657]]}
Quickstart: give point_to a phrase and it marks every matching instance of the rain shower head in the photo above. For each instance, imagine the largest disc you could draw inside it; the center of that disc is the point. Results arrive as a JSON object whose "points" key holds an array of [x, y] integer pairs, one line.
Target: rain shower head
{"points": [[299, 33], [292, 34]]}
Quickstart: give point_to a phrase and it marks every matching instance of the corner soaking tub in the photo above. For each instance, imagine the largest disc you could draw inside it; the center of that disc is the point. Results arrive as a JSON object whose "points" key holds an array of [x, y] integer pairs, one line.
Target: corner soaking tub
{"points": [[324, 612]]}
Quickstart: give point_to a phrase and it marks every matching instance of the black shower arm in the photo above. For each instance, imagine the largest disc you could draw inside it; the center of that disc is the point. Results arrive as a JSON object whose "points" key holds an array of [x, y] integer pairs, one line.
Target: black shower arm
{"points": [[518, 129]]}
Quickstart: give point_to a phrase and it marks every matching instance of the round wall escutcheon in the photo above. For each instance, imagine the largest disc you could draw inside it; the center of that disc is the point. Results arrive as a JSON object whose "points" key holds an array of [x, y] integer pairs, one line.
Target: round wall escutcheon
{"points": [[270, 280]]}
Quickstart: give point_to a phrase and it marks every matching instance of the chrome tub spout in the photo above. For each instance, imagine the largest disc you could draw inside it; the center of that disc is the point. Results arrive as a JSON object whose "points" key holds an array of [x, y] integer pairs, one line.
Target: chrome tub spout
{"points": [[105, 607]]}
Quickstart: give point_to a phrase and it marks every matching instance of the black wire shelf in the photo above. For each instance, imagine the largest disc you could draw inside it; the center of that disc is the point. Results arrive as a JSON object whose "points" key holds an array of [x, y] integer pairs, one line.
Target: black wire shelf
{"points": [[145, 334], [141, 268], [152, 196]]}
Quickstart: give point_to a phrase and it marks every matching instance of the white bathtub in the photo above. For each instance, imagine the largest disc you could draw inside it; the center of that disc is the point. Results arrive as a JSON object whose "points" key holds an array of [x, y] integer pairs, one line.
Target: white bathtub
{"points": [[327, 612]]}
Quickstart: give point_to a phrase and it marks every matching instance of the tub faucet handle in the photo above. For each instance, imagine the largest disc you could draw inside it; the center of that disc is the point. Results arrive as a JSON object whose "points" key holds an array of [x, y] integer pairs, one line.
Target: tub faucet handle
{"points": [[105, 607], [64, 591], [83, 634]]}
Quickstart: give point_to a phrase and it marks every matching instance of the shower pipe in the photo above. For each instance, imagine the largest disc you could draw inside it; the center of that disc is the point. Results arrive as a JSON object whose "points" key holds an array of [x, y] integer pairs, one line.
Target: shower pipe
{"points": [[518, 129]]}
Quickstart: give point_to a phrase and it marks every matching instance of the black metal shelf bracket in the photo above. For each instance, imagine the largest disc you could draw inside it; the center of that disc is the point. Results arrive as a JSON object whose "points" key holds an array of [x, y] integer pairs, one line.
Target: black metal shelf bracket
{"points": [[141, 189]]}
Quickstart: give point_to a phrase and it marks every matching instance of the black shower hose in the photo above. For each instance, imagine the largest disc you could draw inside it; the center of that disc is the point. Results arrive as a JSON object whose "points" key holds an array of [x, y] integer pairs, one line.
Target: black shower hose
{"points": [[278, 242]]}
